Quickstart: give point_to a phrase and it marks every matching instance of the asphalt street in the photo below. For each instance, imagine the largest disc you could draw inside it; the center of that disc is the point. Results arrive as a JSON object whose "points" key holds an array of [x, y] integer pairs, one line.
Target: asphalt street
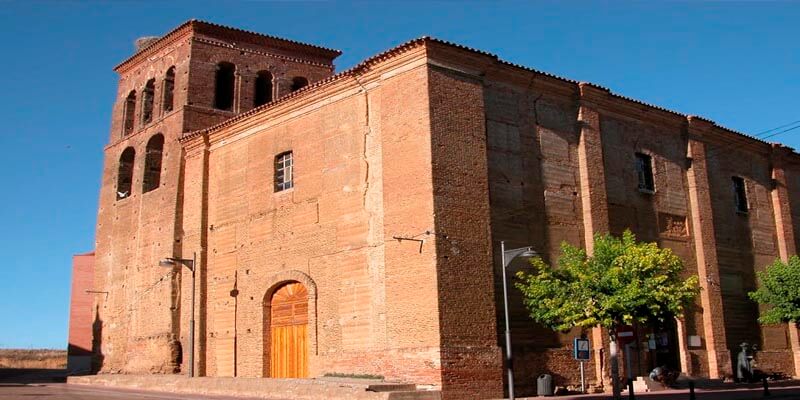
{"points": [[62, 391]]}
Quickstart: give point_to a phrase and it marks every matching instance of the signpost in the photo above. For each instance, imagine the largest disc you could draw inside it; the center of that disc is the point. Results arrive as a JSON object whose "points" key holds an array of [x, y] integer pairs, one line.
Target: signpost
{"points": [[581, 353], [626, 337]]}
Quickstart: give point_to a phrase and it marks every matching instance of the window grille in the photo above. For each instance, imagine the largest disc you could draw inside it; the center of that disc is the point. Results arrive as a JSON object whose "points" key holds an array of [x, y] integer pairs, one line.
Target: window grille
{"points": [[283, 171], [644, 170], [739, 194]]}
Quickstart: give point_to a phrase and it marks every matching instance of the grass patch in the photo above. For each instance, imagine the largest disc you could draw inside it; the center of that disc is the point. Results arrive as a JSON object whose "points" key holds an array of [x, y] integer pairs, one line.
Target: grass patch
{"points": [[33, 358], [354, 376]]}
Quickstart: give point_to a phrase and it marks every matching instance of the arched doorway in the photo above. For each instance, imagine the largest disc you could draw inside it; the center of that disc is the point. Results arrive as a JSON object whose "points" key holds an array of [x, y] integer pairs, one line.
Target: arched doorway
{"points": [[288, 332]]}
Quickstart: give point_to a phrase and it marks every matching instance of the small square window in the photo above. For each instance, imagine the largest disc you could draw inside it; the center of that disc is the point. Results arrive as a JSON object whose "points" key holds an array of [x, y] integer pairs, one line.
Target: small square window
{"points": [[739, 194], [283, 171], [644, 170]]}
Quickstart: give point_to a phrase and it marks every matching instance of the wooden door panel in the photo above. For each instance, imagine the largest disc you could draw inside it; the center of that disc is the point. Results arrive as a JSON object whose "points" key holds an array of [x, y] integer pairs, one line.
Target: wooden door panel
{"points": [[289, 332], [289, 352]]}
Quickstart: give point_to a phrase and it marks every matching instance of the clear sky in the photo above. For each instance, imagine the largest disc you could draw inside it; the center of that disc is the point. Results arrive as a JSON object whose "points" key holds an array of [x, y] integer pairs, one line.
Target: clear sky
{"points": [[735, 63]]}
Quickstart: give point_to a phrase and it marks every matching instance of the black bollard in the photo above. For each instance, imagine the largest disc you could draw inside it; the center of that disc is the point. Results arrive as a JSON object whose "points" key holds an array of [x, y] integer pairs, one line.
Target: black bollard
{"points": [[631, 395], [691, 391], [766, 386]]}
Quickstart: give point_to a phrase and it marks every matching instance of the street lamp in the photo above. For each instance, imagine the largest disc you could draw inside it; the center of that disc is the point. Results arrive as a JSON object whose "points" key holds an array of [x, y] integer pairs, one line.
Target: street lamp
{"points": [[506, 257], [189, 263]]}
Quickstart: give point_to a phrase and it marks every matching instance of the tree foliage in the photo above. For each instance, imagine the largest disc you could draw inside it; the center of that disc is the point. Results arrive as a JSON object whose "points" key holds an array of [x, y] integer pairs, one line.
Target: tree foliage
{"points": [[623, 282], [779, 290]]}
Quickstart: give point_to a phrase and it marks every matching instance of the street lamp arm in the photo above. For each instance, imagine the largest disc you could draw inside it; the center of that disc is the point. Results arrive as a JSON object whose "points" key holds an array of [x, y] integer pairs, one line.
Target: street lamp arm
{"points": [[511, 254]]}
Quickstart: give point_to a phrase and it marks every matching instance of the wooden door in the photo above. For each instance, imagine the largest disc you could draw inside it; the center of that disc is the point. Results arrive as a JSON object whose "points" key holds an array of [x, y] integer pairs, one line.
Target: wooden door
{"points": [[289, 332]]}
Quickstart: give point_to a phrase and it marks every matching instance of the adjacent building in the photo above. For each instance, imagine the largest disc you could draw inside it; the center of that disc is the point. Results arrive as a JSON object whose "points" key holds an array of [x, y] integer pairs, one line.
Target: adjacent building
{"points": [[349, 222]]}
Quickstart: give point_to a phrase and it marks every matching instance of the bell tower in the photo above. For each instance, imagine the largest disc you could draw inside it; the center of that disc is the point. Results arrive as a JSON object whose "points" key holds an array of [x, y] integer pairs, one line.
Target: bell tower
{"points": [[196, 76]]}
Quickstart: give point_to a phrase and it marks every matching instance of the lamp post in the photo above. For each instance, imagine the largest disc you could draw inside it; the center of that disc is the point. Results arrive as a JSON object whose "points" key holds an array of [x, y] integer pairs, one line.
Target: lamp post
{"points": [[506, 257], [189, 263]]}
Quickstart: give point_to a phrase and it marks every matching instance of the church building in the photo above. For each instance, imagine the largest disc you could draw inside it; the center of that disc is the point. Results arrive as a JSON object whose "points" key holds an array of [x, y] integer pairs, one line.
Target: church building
{"points": [[309, 222]]}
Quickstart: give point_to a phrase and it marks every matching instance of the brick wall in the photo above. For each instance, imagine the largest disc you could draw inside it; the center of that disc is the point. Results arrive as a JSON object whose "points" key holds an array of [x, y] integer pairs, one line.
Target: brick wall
{"points": [[81, 313], [409, 171], [142, 322]]}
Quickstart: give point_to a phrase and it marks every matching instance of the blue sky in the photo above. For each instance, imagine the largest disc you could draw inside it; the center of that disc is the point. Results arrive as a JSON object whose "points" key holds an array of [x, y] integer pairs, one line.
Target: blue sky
{"points": [[735, 63]]}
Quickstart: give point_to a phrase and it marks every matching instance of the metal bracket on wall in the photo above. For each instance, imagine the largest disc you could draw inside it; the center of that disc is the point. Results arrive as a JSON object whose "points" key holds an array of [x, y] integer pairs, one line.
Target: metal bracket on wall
{"points": [[400, 239], [96, 292]]}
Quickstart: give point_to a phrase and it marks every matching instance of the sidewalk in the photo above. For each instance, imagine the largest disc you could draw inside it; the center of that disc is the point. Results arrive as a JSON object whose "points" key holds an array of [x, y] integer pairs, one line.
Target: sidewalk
{"points": [[735, 393]]}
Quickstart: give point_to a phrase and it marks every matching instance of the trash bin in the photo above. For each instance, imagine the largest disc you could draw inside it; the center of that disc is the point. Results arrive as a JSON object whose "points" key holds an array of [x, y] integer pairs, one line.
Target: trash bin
{"points": [[544, 385]]}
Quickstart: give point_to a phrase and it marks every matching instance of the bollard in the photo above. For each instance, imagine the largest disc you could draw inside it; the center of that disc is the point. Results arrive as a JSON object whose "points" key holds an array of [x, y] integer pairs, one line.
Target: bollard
{"points": [[631, 395], [766, 386], [691, 390]]}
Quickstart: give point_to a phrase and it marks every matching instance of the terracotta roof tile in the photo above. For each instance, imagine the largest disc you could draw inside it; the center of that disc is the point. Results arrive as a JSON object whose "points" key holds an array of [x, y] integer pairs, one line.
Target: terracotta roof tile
{"points": [[416, 42]]}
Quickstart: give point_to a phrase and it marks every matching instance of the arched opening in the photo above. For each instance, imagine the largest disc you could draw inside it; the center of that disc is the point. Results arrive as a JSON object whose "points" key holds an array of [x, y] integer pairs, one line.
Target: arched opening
{"points": [[152, 163], [224, 86], [125, 173], [299, 82], [129, 112], [169, 91], [147, 101], [263, 92], [286, 331]]}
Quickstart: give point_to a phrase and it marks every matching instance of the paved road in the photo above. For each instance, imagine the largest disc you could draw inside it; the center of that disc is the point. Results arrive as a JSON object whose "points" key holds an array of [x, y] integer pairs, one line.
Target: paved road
{"points": [[62, 391], [776, 393]]}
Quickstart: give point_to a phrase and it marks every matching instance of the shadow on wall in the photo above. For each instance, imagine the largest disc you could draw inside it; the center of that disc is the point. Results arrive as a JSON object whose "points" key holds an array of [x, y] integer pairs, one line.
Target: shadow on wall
{"points": [[97, 341]]}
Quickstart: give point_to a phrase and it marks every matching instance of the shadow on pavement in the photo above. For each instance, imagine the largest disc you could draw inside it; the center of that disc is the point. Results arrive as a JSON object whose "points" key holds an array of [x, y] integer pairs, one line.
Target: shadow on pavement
{"points": [[21, 377]]}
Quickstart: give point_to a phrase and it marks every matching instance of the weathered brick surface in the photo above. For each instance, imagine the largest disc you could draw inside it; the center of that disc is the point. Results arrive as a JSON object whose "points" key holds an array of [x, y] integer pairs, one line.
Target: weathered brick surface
{"points": [[470, 356], [409, 171], [140, 325], [81, 314]]}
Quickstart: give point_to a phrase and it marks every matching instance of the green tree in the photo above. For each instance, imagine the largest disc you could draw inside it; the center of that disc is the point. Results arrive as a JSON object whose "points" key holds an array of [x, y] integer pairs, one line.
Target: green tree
{"points": [[779, 290], [622, 283]]}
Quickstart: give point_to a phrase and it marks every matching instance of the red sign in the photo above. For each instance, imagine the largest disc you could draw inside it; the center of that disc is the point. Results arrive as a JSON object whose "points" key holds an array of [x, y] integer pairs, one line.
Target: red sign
{"points": [[625, 334]]}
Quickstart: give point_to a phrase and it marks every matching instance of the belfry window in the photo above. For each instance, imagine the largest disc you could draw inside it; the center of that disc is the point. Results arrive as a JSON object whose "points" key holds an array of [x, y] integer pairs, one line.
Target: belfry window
{"points": [[283, 171], [740, 194], [644, 171], [263, 92], [298, 82], [152, 163], [224, 86], [129, 113], [169, 91], [125, 173], [147, 101]]}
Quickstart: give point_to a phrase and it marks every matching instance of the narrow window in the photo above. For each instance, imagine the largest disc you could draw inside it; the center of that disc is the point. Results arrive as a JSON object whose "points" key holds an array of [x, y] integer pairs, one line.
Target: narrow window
{"points": [[125, 173], [644, 169], [129, 113], [223, 86], [283, 171], [169, 90], [152, 163], [298, 82], [263, 93], [147, 101], [740, 194]]}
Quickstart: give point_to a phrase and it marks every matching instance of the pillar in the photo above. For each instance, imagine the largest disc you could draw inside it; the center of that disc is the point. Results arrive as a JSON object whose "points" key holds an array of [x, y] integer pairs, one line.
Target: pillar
{"points": [[703, 233], [192, 234], [784, 229], [594, 201]]}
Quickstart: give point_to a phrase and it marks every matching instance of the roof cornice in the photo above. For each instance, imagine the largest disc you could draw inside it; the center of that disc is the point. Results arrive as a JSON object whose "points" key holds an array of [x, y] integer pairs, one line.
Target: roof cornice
{"points": [[598, 95], [194, 25]]}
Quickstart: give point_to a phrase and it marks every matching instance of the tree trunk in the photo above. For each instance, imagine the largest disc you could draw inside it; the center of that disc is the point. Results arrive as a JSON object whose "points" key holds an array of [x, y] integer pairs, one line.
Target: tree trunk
{"points": [[614, 350]]}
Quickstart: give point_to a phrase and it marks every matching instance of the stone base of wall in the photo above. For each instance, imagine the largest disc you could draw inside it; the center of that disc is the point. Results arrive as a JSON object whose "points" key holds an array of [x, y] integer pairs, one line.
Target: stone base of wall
{"points": [[775, 362], [263, 388], [529, 363]]}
